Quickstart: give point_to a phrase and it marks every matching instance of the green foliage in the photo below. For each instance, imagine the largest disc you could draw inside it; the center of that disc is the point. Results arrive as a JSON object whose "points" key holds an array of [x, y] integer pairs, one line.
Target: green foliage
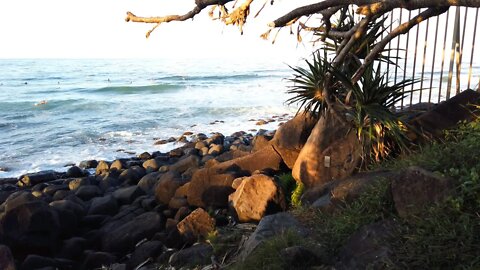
{"points": [[297, 195], [332, 229], [446, 235], [268, 255], [291, 188]]}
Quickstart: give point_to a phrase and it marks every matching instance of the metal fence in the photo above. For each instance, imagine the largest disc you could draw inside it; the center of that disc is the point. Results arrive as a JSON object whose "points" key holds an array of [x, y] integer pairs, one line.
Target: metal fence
{"points": [[440, 52]]}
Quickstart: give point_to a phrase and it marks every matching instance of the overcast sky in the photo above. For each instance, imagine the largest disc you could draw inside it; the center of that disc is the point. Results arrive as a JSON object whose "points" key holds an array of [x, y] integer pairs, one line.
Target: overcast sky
{"points": [[97, 29]]}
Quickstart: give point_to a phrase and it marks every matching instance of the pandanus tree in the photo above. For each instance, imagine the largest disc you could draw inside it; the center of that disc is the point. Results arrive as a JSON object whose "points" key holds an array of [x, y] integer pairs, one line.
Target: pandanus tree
{"points": [[342, 84]]}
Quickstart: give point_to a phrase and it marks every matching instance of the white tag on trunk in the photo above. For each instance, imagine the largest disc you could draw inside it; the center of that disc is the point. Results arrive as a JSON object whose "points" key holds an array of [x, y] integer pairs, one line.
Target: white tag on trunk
{"points": [[326, 162]]}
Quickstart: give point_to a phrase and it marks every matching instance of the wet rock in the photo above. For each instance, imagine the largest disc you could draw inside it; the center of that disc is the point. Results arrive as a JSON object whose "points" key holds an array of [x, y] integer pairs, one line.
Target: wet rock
{"points": [[177, 202], [32, 179], [6, 259], [261, 122], [128, 194], [102, 167], [176, 153], [215, 149], [182, 213], [260, 141], [61, 194], [108, 182], [416, 188], [145, 156], [117, 165], [196, 255], [161, 142], [88, 192], [149, 249], [88, 164], [123, 236], [68, 205], [96, 260], [51, 189], [270, 226], [152, 165], [196, 224], [201, 144], [255, 197], [166, 186], [106, 205], [75, 171]]}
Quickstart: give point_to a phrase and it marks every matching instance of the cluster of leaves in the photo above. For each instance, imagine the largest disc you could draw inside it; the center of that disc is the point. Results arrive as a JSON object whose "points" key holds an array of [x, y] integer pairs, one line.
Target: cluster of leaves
{"points": [[367, 103], [292, 189]]}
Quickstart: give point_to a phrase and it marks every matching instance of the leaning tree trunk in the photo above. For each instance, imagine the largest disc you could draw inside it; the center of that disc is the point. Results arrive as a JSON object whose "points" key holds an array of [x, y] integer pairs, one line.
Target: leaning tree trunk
{"points": [[331, 152]]}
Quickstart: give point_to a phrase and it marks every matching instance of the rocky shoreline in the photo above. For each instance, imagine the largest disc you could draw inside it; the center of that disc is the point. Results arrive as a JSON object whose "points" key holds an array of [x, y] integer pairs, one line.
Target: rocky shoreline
{"points": [[153, 210]]}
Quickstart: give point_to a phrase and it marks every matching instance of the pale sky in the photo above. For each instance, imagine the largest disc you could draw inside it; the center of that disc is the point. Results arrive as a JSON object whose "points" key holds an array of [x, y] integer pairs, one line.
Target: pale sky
{"points": [[97, 29]]}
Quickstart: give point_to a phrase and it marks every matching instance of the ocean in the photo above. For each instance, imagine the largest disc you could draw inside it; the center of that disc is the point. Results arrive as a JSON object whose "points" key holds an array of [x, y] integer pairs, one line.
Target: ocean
{"points": [[58, 112]]}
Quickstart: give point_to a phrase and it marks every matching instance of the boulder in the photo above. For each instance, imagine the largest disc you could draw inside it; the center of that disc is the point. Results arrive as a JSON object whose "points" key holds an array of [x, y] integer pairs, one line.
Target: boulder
{"points": [[74, 171], [128, 194], [32, 179], [299, 257], [215, 149], [68, 205], [261, 141], [88, 164], [291, 137], [415, 188], [132, 175], [152, 165], [38, 262], [106, 205], [51, 189], [368, 248], [145, 156], [97, 260], [270, 226], [123, 236], [72, 248], [148, 182], [197, 224], [29, 225], [117, 165], [332, 151], [102, 167], [197, 255], [178, 202], [447, 114], [6, 259], [255, 197], [149, 249], [166, 186], [185, 163], [211, 186], [76, 183], [88, 192]]}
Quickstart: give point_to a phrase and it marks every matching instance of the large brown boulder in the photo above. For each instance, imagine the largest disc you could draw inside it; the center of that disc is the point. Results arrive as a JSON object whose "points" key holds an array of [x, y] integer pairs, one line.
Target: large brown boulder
{"points": [[166, 187], [292, 136], [332, 151], [197, 224], [211, 186], [415, 188], [255, 197], [447, 114]]}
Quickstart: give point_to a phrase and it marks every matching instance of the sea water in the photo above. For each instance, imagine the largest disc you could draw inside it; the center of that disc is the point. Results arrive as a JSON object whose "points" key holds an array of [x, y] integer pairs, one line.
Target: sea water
{"points": [[57, 112]]}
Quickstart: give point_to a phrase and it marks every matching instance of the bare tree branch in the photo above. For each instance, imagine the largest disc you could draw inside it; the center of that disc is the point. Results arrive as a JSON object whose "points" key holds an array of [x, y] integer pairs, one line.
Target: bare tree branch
{"points": [[381, 7], [401, 29]]}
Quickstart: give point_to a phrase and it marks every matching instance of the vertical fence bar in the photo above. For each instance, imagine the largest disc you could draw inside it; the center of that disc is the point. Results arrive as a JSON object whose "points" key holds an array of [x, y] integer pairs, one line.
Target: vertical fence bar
{"points": [[415, 58], [406, 55], [460, 55], [433, 60], [389, 46], [398, 53], [454, 49], [473, 49], [443, 56], [424, 60]]}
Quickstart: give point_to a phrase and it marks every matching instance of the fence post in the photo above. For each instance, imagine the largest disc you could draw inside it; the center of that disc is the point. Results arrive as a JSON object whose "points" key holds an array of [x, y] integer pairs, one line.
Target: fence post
{"points": [[454, 53]]}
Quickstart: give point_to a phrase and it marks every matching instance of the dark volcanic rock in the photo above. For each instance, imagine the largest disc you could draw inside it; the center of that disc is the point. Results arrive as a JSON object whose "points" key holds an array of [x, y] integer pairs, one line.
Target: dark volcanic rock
{"points": [[32, 179], [149, 249], [37, 262], [75, 171], [96, 260], [124, 236], [196, 255], [128, 194], [88, 192], [29, 225], [147, 183], [106, 205], [88, 164], [6, 258], [102, 167], [132, 175]]}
